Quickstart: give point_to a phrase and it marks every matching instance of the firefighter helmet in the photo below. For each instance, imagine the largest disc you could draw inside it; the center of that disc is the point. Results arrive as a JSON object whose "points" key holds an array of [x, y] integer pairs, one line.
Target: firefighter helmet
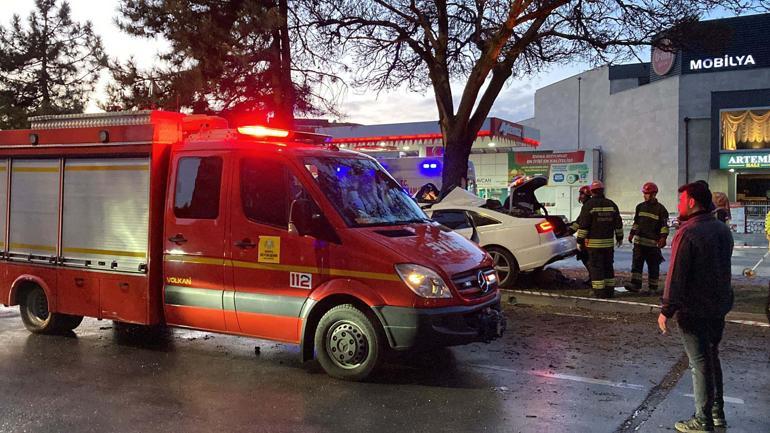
{"points": [[597, 184], [650, 188], [585, 189]]}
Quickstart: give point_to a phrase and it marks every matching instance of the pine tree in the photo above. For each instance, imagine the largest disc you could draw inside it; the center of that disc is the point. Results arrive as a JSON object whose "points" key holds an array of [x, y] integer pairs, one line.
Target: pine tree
{"points": [[48, 66], [226, 57]]}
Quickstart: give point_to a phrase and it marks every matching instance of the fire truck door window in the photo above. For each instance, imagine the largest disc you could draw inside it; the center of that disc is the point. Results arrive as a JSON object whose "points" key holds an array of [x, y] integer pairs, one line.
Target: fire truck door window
{"points": [[198, 184], [267, 190]]}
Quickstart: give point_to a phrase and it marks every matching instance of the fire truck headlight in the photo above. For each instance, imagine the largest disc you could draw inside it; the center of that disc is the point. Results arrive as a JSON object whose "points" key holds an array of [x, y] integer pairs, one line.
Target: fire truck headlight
{"points": [[422, 281]]}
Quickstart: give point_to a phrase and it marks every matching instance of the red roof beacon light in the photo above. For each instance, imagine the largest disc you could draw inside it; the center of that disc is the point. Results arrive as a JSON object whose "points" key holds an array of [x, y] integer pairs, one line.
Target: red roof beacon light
{"points": [[263, 131]]}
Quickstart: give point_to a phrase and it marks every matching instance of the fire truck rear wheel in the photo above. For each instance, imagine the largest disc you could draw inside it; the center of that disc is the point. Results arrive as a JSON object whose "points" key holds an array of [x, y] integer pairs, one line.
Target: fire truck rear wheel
{"points": [[348, 344], [39, 319]]}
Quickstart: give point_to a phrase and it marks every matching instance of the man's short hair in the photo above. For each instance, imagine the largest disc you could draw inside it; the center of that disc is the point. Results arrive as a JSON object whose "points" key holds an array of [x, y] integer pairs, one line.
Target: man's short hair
{"points": [[699, 191]]}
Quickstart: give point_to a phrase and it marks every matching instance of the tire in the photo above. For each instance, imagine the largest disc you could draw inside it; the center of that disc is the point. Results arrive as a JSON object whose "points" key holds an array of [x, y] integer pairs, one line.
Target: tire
{"points": [[348, 344], [506, 266], [39, 320]]}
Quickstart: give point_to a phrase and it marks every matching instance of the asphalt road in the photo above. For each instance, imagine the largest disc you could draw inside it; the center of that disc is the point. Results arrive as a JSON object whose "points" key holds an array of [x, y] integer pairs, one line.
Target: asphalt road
{"points": [[742, 258], [555, 370]]}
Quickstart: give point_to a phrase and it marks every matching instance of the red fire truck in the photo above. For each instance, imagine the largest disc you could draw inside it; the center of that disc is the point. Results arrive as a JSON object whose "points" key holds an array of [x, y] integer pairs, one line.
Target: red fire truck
{"points": [[159, 218]]}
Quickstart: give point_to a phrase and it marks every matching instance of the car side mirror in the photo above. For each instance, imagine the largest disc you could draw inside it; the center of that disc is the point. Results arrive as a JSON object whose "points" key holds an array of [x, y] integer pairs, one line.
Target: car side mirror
{"points": [[301, 217]]}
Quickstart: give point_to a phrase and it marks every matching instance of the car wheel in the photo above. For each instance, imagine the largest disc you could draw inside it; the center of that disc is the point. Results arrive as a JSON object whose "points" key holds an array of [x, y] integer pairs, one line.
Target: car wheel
{"points": [[38, 319], [506, 266], [348, 344]]}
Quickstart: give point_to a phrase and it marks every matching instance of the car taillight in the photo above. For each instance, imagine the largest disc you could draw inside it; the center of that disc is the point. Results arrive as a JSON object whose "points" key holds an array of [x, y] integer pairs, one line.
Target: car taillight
{"points": [[544, 227]]}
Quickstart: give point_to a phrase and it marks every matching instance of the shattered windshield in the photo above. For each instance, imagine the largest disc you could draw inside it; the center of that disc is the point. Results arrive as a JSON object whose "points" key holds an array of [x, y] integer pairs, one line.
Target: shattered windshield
{"points": [[363, 193]]}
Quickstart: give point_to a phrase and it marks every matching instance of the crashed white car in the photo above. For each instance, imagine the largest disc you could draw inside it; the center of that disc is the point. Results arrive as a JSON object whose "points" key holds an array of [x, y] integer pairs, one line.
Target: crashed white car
{"points": [[517, 244]]}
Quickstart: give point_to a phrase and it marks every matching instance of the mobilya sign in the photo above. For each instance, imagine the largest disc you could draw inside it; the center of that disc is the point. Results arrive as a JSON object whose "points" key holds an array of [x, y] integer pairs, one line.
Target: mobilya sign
{"points": [[722, 62], [745, 160]]}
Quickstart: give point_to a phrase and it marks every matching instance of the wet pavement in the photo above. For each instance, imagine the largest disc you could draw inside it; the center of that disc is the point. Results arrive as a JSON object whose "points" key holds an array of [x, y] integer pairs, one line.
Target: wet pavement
{"points": [[555, 370]]}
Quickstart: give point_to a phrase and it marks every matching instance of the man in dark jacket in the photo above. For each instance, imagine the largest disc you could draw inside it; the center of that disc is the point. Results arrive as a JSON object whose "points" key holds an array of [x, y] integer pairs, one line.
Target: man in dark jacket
{"points": [[600, 228], [699, 294]]}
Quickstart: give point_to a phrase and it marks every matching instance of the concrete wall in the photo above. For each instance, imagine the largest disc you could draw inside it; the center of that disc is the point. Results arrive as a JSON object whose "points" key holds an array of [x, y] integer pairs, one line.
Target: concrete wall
{"points": [[636, 129]]}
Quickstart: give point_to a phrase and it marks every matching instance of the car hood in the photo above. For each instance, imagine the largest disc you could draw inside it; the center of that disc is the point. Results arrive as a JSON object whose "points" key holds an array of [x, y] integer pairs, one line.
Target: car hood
{"points": [[431, 245], [461, 197]]}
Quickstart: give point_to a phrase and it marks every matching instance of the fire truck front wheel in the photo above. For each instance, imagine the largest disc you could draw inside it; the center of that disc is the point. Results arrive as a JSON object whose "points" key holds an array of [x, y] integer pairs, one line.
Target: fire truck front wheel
{"points": [[38, 319], [348, 343]]}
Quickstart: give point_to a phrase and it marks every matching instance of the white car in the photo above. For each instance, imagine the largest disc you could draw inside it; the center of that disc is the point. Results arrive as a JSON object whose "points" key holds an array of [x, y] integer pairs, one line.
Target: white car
{"points": [[517, 244]]}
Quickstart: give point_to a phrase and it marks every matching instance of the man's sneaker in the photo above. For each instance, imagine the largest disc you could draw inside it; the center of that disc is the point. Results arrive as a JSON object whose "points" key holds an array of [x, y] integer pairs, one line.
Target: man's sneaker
{"points": [[693, 425], [719, 418]]}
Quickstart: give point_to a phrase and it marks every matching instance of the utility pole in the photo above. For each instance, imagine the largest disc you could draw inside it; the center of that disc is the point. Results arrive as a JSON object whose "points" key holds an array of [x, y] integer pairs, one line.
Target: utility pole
{"points": [[578, 113]]}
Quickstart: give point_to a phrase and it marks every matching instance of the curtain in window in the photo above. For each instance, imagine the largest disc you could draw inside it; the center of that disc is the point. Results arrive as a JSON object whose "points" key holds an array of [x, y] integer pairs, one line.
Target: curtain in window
{"points": [[744, 127]]}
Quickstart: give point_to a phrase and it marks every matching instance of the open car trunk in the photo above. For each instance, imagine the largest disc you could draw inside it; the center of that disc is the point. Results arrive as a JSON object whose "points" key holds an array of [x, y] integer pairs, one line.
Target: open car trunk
{"points": [[523, 203]]}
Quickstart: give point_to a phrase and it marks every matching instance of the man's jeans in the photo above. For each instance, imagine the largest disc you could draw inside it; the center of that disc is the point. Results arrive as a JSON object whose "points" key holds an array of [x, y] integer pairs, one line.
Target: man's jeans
{"points": [[701, 339]]}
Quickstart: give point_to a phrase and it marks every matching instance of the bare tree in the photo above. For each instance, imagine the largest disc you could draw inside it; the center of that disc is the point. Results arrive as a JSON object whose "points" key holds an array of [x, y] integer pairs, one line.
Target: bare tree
{"points": [[386, 44]]}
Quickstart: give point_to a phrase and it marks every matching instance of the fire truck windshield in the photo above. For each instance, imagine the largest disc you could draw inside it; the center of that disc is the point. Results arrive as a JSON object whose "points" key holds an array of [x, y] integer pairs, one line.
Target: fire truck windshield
{"points": [[363, 193]]}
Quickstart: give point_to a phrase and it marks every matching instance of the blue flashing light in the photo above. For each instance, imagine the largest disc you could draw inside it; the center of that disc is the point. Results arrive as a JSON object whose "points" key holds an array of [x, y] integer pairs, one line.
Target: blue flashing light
{"points": [[430, 168]]}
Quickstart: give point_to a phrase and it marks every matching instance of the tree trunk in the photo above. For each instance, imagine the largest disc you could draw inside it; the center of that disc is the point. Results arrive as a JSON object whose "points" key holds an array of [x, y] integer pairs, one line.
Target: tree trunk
{"points": [[457, 148]]}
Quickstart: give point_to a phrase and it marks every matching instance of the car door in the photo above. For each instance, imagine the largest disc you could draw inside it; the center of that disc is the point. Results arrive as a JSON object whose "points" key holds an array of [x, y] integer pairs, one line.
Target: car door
{"points": [[273, 271], [194, 244]]}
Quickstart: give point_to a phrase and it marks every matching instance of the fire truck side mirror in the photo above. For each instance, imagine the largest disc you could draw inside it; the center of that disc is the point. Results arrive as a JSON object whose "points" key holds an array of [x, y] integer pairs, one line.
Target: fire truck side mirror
{"points": [[301, 217]]}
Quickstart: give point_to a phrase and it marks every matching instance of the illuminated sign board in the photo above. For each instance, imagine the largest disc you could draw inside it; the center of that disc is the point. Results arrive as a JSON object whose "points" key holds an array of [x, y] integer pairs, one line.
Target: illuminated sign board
{"points": [[744, 160], [722, 62]]}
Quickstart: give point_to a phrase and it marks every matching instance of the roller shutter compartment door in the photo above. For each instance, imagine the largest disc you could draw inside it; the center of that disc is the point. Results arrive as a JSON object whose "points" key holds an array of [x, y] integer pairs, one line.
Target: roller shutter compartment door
{"points": [[34, 209]]}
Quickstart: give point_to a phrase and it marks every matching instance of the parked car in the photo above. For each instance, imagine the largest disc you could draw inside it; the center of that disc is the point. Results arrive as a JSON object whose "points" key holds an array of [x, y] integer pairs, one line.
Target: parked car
{"points": [[523, 243]]}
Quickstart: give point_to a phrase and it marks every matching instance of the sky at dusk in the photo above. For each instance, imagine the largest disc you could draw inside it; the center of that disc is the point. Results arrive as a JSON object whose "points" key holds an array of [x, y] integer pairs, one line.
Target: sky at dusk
{"points": [[516, 102]]}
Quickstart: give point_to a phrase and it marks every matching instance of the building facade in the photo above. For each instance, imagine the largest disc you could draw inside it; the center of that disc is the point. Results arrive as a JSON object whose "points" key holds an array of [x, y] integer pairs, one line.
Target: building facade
{"points": [[699, 112]]}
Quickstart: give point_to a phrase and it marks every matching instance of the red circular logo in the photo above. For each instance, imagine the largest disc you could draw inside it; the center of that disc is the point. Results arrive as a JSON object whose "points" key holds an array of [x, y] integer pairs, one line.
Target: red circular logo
{"points": [[663, 60]]}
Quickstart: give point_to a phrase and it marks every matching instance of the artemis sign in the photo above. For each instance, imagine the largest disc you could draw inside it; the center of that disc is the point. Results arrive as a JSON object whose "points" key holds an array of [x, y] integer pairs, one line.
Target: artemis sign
{"points": [[747, 160], [722, 62]]}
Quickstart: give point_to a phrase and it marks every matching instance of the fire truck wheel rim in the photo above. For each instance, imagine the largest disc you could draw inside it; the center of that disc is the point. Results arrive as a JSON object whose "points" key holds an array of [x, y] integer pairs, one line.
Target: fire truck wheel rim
{"points": [[38, 306], [347, 344]]}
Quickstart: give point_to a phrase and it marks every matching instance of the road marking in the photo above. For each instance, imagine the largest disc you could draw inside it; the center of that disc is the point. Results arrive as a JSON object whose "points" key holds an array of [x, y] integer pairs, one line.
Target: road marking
{"points": [[569, 377], [734, 400]]}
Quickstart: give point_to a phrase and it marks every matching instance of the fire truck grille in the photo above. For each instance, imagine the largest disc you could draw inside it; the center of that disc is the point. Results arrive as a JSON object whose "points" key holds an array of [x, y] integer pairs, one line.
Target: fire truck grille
{"points": [[473, 284]]}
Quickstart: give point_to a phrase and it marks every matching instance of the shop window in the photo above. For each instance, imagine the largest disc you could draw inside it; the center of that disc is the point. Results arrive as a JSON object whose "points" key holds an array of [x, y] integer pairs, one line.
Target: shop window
{"points": [[745, 129]]}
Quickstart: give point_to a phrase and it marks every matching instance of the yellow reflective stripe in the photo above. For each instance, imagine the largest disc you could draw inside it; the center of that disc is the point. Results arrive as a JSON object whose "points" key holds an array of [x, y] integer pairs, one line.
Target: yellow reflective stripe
{"points": [[664, 230], [638, 240], [597, 284], [34, 247], [3, 168], [283, 268], [603, 209], [609, 282], [600, 243], [108, 168], [36, 169], [198, 260], [105, 252], [649, 215], [582, 233], [636, 276]]}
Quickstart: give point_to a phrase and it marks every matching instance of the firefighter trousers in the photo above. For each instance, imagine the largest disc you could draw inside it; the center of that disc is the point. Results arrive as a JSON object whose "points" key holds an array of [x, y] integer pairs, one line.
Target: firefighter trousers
{"points": [[601, 271], [653, 257]]}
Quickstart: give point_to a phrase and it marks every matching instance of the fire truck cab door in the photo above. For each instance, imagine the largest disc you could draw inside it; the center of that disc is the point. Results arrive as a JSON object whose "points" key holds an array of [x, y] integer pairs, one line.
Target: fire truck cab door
{"points": [[194, 240], [273, 271]]}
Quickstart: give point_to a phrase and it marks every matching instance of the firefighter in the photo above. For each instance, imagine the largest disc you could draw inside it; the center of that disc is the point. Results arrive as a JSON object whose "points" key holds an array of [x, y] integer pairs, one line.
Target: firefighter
{"points": [[583, 196], [648, 234], [599, 222]]}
